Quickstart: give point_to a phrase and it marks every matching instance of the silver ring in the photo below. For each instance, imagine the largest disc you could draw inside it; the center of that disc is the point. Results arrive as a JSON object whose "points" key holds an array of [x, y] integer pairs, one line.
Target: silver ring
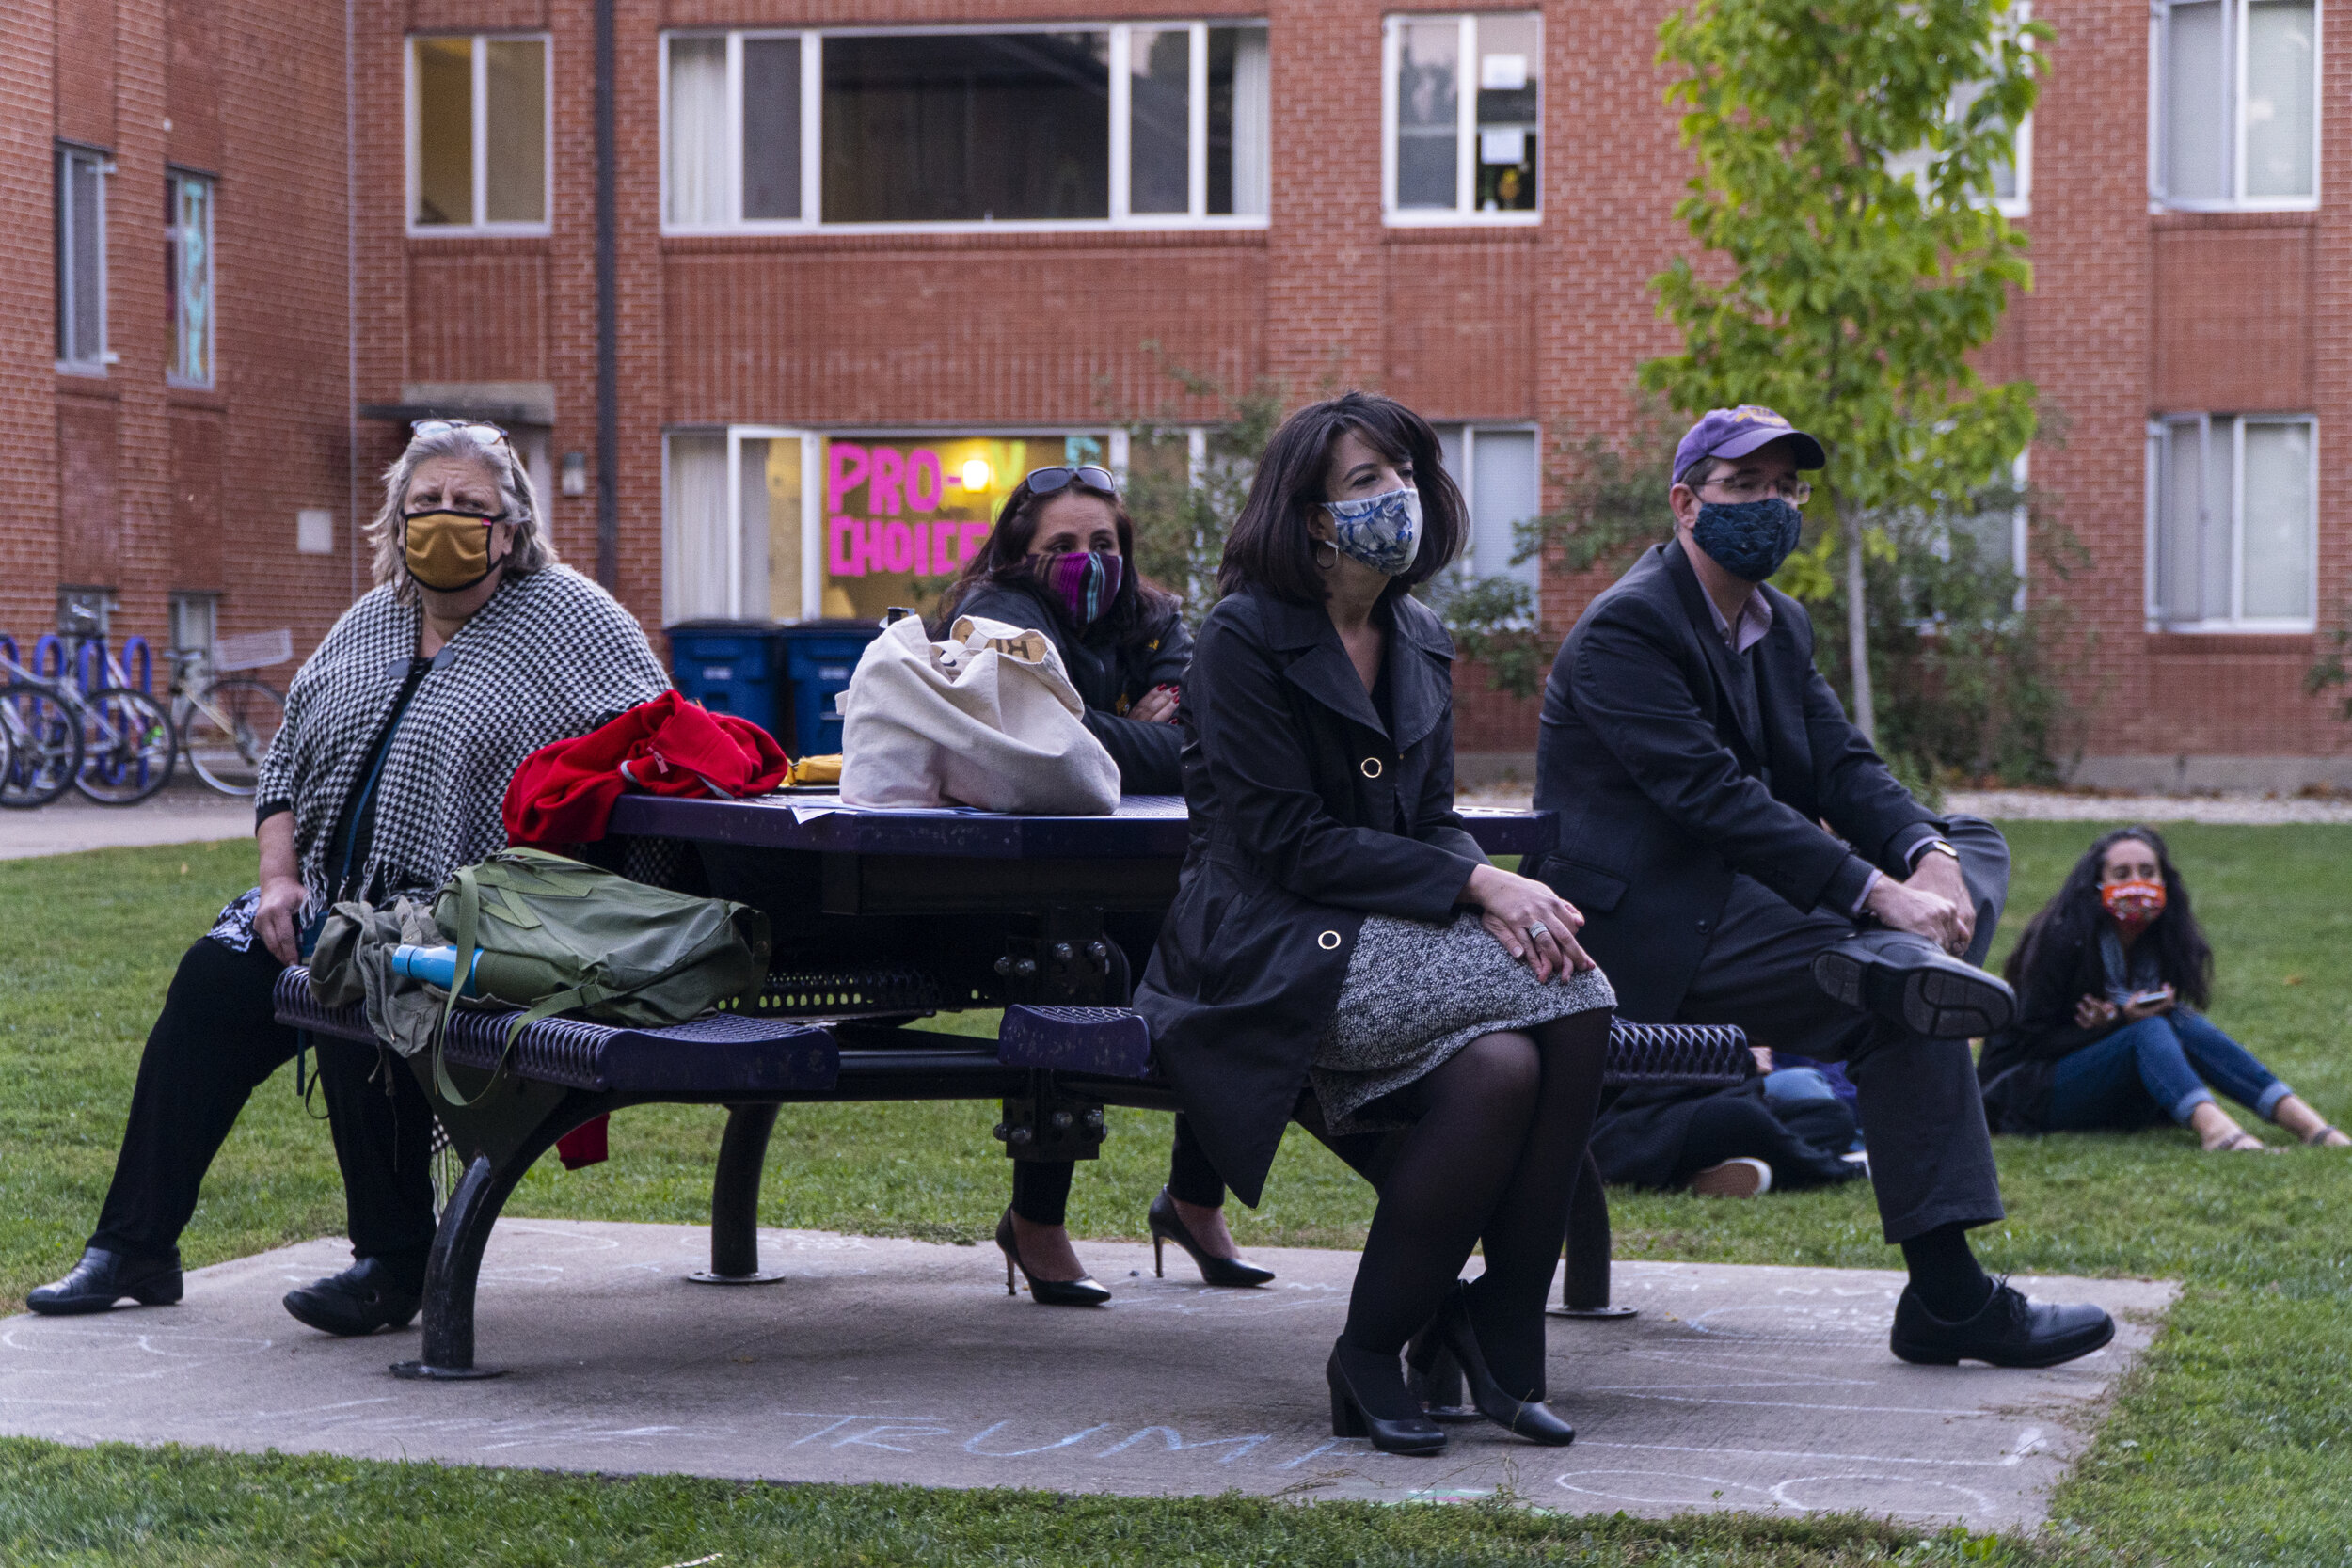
{"points": [[1534, 931]]}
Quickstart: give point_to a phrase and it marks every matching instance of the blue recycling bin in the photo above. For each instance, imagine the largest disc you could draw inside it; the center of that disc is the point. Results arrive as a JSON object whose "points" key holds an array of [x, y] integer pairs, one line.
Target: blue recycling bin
{"points": [[818, 660], [730, 667]]}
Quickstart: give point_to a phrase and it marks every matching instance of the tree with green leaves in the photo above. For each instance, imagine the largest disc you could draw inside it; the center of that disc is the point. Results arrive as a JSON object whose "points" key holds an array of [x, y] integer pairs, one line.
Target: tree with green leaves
{"points": [[1847, 154]]}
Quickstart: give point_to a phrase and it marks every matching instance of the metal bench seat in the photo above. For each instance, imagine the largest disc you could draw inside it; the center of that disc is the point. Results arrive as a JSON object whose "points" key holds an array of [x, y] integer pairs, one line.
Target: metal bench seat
{"points": [[720, 1054]]}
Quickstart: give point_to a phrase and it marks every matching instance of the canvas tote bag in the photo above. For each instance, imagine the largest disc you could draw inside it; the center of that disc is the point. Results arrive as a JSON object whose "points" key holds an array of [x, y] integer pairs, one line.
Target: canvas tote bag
{"points": [[986, 718]]}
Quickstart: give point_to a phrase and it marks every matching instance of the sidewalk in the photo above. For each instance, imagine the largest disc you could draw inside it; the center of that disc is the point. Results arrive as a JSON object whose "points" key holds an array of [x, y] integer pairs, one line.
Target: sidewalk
{"points": [[180, 815]]}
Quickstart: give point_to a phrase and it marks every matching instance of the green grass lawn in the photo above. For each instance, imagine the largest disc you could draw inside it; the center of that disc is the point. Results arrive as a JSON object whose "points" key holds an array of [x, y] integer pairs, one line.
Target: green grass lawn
{"points": [[2234, 1444]]}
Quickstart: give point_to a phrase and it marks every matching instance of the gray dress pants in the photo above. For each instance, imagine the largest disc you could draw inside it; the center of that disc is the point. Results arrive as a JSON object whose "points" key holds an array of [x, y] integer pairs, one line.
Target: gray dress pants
{"points": [[1930, 1156]]}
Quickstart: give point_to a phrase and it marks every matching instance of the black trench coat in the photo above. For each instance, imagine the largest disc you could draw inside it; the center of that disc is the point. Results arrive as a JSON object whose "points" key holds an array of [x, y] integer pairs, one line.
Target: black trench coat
{"points": [[1306, 815]]}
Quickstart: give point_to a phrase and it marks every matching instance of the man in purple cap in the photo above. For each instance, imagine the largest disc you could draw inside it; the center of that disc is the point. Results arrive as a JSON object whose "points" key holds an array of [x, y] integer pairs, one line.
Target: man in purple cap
{"points": [[1694, 755]]}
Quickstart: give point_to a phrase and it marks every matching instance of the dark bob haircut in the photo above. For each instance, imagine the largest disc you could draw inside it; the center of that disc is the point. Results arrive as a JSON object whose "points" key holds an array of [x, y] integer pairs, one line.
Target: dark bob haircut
{"points": [[1136, 615], [1270, 546]]}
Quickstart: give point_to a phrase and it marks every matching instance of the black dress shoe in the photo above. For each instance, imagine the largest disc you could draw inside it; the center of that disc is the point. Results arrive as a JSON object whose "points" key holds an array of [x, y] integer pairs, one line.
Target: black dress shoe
{"points": [[1082, 1291], [103, 1278], [360, 1300], [2008, 1331], [1911, 981], [1169, 1226], [1368, 1400], [1531, 1419]]}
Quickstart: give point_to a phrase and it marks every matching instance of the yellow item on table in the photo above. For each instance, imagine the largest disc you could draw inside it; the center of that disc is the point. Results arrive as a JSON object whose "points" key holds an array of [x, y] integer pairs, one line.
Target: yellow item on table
{"points": [[817, 771]]}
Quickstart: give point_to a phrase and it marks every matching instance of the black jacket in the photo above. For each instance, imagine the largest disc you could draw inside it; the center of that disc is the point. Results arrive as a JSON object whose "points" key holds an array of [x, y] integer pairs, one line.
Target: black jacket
{"points": [[1110, 678], [2017, 1063], [1306, 815], [1671, 775]]}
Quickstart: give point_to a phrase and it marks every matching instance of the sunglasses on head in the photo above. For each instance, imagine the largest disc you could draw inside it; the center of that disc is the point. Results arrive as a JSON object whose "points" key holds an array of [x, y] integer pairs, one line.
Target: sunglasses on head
{"points": [[484, 433], [1044, 482]]}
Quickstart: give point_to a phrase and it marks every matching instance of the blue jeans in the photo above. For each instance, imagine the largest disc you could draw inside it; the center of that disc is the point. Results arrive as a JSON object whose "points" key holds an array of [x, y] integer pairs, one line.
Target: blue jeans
{"points": [[2154, 1069]]}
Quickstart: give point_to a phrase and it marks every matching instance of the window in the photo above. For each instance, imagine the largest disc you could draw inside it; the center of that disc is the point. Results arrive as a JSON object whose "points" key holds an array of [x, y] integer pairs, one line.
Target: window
{"points": [[782, 525], [81, 260], [2012, 181], [1449, 152], [1497, 471], [2234, 103], [1158, 125], [478, 135], [2232, 536], [188, 279]]}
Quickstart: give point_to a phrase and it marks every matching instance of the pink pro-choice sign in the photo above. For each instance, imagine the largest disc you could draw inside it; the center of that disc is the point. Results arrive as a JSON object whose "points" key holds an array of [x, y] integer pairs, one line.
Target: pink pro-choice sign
{"points": [[897, 534]]}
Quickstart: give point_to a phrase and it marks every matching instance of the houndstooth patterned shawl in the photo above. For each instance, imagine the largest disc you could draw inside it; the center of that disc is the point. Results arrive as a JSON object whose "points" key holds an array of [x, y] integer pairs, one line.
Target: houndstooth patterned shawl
{"points": [[549, 656]]}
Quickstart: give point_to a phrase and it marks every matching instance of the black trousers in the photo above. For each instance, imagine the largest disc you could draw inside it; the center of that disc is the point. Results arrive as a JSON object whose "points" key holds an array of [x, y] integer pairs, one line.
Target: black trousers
{"points": [[1931, 1157], [215, 1043], [1040, 1188]]}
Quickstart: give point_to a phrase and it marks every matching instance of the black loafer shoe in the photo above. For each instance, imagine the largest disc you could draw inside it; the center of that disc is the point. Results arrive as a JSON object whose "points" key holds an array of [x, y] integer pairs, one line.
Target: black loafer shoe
{"points": [[1917, 984], [2010, 1331], [103, 1278], [360, 1300]]}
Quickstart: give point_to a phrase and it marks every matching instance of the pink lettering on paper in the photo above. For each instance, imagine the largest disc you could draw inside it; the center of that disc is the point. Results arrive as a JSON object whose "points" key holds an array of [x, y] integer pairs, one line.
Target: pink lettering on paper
{"points": [[971, 538], [846, 469], [881, 493], [845, 547], [923, 482], [942, 543], [898, 547], [876, 545]]}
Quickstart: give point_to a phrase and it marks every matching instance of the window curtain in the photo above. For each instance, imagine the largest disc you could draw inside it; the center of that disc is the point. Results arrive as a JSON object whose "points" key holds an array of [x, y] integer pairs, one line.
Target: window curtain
{"points": [[698, 131], [2281, 105], [1502, 493], [2196, 103], [753, 524], [1253, 123], [694, 530], [2277, 523]]}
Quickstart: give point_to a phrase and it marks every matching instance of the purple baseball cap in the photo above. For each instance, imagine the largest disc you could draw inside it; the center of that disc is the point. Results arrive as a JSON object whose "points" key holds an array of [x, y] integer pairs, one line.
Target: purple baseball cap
{"points": [[1737, 432]]}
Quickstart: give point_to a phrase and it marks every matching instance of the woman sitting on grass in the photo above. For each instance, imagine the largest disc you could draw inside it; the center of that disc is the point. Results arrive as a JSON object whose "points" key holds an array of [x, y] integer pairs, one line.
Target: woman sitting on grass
{"points": [[2103, 1039]]}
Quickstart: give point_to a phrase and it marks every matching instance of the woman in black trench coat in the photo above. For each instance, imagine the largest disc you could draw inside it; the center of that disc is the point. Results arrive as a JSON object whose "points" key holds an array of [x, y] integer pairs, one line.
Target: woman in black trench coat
{"points": [[1339, 948]]}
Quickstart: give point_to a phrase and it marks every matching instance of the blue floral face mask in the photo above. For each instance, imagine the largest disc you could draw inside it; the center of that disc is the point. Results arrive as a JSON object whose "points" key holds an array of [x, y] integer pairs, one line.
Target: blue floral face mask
{"points": [[1383, 532]]}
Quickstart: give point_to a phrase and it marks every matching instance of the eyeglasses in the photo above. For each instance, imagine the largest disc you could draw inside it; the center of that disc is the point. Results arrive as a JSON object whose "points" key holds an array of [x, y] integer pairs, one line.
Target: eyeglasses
{"points": [[1796, 492], [1044, 482], [483, 434]]}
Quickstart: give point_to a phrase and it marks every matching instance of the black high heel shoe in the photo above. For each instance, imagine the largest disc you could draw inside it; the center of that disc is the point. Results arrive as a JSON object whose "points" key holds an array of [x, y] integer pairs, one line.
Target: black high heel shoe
{"points": [[1169, 1226], [1414, 1435], [1081, 1291], [1530, 1418]]}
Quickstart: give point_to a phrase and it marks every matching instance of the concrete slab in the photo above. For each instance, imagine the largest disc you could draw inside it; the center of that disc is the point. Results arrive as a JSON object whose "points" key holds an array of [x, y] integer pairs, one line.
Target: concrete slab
{"points": [[1767, 1389]]}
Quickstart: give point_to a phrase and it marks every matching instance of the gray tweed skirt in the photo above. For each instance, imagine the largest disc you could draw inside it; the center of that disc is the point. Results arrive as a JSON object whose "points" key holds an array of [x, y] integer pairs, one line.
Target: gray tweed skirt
{"points": [[1417, 994]]}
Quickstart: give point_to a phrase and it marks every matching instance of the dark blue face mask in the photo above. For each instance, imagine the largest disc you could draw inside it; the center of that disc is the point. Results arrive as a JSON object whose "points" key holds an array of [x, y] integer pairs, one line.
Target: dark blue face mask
{"points": [[1748, 539]]}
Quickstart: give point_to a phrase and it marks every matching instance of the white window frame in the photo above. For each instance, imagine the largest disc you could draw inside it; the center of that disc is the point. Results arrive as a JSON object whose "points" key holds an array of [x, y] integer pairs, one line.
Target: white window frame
{"points": [[811, 507], [174, 178], [1469, 568], [2160, 435], [2233, 32], [64, 156], [480, 58], [1464, 208], [812, 131]]}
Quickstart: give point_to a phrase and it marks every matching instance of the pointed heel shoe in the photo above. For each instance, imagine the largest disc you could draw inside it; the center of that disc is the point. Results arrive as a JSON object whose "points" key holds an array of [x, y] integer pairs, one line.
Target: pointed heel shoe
{"points": [[1081, 1291], [1530, 1418], [1169, 1226], [1412, 1435]]}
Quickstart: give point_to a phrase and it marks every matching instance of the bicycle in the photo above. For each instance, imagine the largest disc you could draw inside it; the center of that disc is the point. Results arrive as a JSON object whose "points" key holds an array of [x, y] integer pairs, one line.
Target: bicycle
{"points": [[226, 723], [44, 739], [121, 747]]}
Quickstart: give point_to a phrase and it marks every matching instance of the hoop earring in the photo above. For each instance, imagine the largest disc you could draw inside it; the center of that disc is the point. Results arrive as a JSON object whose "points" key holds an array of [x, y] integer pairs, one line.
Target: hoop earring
{"points": [[1327, 545]]}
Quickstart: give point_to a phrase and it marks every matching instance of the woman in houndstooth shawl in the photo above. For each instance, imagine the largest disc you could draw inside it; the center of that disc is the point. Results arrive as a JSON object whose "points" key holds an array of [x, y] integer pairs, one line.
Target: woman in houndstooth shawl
{"points": [[400, 735]]}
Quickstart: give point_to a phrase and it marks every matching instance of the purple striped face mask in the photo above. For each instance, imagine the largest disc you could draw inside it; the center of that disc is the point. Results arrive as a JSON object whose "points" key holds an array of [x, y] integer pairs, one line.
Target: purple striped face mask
{"points": [[1083, 583]]}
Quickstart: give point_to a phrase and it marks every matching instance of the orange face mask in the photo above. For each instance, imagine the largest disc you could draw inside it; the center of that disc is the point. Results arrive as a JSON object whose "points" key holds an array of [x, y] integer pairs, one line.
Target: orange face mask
{"points": [[2133, 905], [448, 551]]}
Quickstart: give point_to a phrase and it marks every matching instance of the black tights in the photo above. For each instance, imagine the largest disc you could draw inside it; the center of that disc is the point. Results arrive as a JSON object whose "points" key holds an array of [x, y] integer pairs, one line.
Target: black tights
{"points": [[1492, 1159], [1040, 1188]]}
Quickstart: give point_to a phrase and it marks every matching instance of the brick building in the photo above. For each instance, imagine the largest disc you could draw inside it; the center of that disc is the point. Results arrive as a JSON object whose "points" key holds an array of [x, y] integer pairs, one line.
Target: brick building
{"points": [[868, 259]]}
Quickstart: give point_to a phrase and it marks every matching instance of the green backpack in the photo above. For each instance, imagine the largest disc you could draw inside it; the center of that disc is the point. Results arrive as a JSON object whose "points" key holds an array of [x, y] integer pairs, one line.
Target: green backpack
{"points": [[557, 936]]}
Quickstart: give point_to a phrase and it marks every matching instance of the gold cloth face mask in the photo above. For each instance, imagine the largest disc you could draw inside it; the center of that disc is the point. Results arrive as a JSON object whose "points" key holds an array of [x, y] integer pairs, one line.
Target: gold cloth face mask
{"points": [[448, 551]]}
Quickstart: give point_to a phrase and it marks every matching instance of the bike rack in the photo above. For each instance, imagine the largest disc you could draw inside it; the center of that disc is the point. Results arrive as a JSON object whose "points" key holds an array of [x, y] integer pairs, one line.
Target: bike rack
{"points": [[49, 657], [147, 663]]}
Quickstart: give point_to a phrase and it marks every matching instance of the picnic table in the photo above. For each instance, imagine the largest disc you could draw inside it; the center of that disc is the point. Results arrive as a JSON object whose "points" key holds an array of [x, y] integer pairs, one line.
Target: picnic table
{"points": [[880, 919]]}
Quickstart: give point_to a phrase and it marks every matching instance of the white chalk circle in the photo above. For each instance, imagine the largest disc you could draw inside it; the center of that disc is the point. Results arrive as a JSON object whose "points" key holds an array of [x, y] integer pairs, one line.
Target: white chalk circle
{"points": [[1857, 1491], [1669, 1488]]}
